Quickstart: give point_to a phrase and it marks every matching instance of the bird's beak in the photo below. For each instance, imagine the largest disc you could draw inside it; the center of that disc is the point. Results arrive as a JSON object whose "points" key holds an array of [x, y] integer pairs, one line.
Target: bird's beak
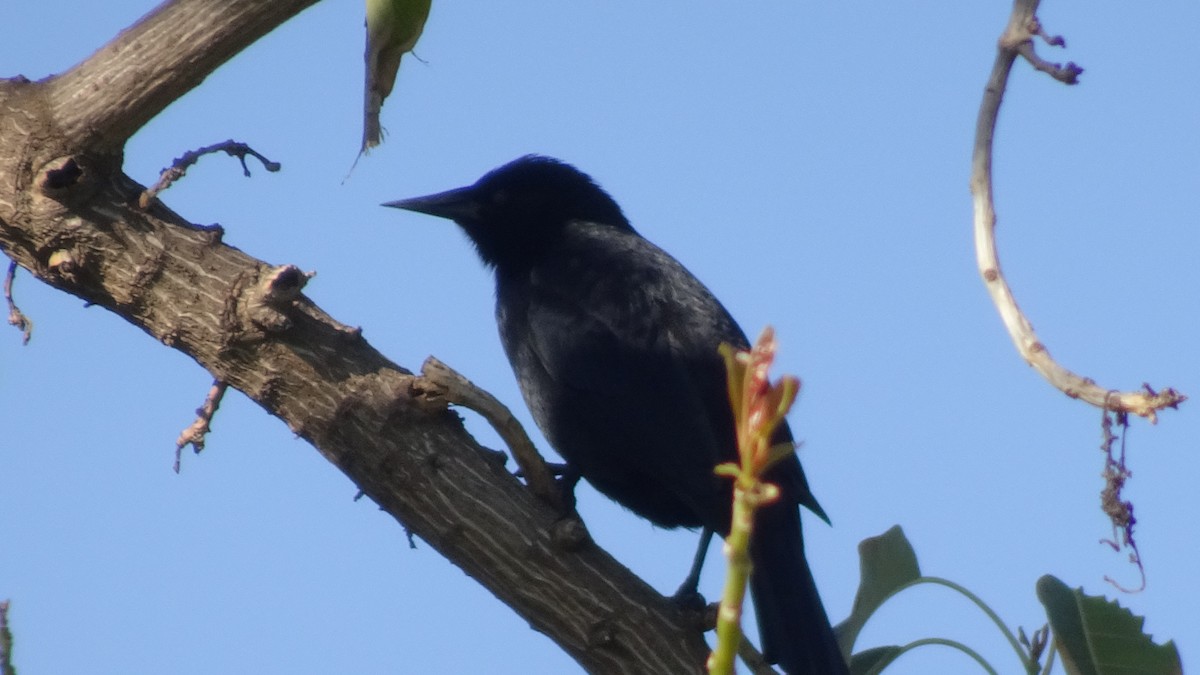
{"points": [[458, 205]]}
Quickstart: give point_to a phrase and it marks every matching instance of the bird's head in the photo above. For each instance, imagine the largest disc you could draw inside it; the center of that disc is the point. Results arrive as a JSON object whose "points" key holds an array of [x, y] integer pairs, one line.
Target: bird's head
{"points": [[517, 212]]}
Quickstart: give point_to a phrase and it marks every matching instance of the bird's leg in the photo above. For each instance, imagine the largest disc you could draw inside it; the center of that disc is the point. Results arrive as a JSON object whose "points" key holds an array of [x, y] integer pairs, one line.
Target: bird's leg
{"points": [[688, 593], [568, 478], [557, 469]]}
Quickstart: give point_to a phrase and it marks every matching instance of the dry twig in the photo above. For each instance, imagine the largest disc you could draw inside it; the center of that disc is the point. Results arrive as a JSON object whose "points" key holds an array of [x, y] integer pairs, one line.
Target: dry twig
{"points": [[180, 166], [1017, 40], [195, 433], [1119, 511], [15, 316]]}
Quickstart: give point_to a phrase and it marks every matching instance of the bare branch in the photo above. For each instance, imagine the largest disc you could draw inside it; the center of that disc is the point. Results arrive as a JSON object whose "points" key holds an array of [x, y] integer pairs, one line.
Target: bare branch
{"points": [[1023, 43], [180, 166], [103, 101], [1017, 40], [195, 433], [15, 316], [1068, 74]]}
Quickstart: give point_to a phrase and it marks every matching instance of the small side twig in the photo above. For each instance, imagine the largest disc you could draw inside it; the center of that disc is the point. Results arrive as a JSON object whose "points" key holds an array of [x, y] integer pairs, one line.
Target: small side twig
{"points": [[1017, 40], [15, 316], [1118, 510], [180, 166], [195, 433], [458, 390], [1068, 74]]}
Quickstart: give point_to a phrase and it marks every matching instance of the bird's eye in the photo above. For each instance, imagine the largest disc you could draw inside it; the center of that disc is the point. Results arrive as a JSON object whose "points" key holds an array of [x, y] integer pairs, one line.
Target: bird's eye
{"points": [[499, 197]]}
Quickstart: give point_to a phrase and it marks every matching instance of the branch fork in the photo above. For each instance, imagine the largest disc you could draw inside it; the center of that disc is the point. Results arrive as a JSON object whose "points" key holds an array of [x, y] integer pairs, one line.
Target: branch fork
{"points": [[440, 384]]}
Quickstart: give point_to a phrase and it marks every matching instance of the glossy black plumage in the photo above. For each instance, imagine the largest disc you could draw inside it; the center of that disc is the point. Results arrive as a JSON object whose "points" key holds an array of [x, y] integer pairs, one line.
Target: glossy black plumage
{"points": [[614, 344]]}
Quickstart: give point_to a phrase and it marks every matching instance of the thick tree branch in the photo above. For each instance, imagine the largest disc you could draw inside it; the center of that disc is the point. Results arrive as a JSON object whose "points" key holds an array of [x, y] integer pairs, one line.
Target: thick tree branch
{"points": [[103, 101], [1017, 39], [70, 216]]}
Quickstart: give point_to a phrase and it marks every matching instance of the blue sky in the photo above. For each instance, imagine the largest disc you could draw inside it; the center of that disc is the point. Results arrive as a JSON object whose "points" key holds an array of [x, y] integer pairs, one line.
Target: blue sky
{"points": [[808, 161]]}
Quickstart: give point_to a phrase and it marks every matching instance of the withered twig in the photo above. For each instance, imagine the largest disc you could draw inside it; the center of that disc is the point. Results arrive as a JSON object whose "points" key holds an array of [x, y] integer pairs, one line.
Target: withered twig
{"points": [[180, 166], [195, 433], [15, 316], [1118, 510], [1068, 74]]}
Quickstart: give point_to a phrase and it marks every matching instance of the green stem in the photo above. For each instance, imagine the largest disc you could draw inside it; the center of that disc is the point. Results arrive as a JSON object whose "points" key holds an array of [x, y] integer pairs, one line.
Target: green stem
{"points": [[1030, 666], [954, 644], [737, 546], [1050, 652]]}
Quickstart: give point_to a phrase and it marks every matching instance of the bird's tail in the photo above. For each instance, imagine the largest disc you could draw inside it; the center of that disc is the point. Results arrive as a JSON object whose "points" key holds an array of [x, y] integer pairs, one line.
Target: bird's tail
{"points": [[794, 629], [372, 130]]}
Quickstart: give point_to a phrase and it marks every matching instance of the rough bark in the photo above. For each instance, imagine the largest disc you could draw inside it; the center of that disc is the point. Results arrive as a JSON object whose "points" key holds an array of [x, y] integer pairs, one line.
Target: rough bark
{"points": [[70, 217]]}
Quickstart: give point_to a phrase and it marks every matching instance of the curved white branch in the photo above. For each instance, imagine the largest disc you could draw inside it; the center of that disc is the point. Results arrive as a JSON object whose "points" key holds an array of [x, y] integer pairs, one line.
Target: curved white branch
{"points": [[1017, 40]]}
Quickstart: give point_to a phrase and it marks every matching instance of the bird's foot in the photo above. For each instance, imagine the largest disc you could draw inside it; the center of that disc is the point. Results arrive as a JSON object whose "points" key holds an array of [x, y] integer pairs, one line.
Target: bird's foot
{"points": [[568, 478], [689, 598]]}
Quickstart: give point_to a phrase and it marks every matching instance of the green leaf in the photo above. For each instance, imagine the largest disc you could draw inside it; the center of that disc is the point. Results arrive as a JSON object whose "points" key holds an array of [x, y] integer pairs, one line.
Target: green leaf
{"points": [[1096, 636], [886, 563]]}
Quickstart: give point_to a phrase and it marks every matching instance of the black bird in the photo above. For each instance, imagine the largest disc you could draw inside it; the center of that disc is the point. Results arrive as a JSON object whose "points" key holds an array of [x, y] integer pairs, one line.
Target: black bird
{"points": [[614, 344]]}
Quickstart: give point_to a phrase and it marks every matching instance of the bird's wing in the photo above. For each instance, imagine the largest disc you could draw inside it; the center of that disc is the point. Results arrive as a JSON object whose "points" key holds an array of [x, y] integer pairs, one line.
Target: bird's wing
{"points": [[634, 349], [636, 408], [627, 384]]}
